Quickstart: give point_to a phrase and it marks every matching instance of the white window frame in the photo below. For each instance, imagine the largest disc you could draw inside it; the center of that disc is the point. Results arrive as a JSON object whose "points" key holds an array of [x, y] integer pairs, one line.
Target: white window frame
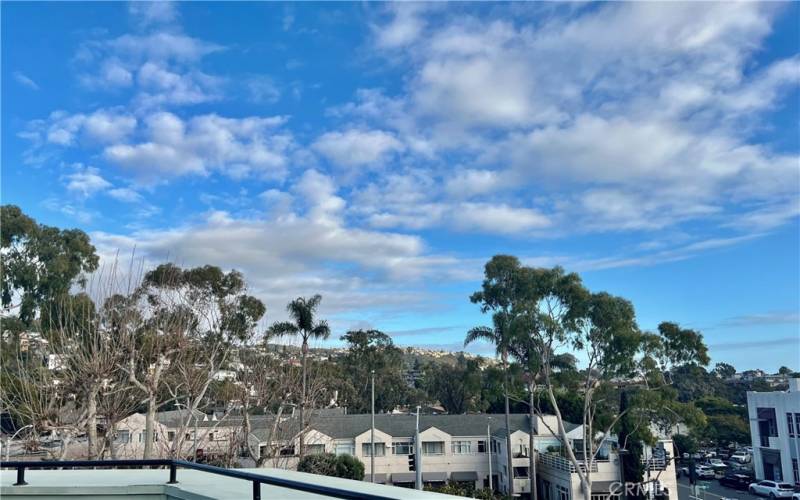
{"points": [[345, 448], [380, 449], [461, 447], [425, 450]]}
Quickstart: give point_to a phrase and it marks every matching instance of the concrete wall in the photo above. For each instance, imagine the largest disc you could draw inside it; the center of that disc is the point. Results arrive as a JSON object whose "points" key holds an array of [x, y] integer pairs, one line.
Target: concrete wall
{"points": [[788, 447]]}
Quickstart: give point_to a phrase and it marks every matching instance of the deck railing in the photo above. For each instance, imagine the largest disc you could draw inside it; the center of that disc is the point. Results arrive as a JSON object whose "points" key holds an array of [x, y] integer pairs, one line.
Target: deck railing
{"points": [[256, 479]]}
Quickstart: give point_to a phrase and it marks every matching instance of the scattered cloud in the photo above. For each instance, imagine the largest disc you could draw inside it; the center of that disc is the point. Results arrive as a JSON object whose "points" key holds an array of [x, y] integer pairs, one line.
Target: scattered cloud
{"points": [[356, 148], [86, 182], [764, 319], [237, 147], [792, 343], [25, 80]]}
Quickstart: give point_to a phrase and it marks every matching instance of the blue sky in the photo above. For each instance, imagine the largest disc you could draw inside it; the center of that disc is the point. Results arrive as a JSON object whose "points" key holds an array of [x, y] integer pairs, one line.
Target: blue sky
{"points": [[380, 153]]}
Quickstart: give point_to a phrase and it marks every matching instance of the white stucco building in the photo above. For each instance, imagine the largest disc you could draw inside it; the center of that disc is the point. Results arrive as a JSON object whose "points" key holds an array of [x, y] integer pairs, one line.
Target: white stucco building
{"points": [[775, 431], [460, 448]]}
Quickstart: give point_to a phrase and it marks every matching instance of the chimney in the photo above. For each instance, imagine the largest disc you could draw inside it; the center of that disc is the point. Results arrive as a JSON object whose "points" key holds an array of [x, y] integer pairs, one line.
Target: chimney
{"points": [[794, 385]]}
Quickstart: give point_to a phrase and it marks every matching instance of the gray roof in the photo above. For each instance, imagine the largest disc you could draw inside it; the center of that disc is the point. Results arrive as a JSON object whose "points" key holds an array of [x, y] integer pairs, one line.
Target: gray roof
{"points": [[349, 426]]}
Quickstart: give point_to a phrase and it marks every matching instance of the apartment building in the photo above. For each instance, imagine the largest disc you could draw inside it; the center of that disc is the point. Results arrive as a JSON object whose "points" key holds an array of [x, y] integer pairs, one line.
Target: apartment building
{"points": [[775, 432], [460, 448]]}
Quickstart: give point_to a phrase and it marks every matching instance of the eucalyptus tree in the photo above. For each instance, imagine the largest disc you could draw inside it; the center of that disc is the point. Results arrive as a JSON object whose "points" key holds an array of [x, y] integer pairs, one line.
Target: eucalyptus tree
{"points": [[304, 324], [498, 295], [40, 263], [185, 324]]}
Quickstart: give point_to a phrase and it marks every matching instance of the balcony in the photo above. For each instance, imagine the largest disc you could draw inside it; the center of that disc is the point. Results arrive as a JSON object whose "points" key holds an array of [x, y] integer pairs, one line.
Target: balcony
{"points": [[769, 442], [557, 462], [655, 463], [182, 480]]}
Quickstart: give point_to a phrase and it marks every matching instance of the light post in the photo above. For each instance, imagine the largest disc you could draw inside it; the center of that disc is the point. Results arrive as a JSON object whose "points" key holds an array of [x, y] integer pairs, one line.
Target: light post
{"points": [[417, 457], [489, 449], [8, 441], [372, 434]]}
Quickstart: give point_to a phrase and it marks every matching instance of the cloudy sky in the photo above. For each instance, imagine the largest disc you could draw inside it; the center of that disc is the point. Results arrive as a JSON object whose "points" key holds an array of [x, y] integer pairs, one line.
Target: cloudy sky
{"points": [[379, 154]]}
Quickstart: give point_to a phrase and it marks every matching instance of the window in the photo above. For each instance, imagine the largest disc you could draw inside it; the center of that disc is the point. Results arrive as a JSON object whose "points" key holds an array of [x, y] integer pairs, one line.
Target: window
{"points": [[460, 447], [481, 446], [562, 493], [795, 471], [380, 449], [210, 436], [495, 446], [141, 437], [345, 448], [790, 423], [402, 448], [316, 449], [171, 435], [520, 472], [124, 436], [546, 491], [287, 451], [433, 447]]}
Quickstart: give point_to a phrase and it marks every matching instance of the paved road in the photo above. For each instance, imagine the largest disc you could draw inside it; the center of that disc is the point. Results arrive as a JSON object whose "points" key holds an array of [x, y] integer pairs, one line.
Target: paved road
{"points": [[713, 492]]}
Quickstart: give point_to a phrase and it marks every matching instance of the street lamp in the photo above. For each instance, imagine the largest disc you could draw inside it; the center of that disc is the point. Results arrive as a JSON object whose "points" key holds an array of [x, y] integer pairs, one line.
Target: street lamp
{"points": [[8, 441]]}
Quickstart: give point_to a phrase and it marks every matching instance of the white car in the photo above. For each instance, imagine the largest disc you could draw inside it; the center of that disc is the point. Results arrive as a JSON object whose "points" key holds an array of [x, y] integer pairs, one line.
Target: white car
{"points": [[742, 457], [796, 496], [771, 489], [704, 472], [717, 463]]}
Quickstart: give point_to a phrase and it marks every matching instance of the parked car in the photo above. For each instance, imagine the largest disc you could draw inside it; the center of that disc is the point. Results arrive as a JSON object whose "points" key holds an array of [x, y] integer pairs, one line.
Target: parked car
{"points": [[796, 496], [704, 472], [741, 457], [736, 481], [771, 489], [716, 463]]}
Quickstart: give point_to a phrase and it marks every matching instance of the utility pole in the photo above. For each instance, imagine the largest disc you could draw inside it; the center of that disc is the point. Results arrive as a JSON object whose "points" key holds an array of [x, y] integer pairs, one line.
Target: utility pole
{"points": [[489, 449], [418, 461], [372, 434]]}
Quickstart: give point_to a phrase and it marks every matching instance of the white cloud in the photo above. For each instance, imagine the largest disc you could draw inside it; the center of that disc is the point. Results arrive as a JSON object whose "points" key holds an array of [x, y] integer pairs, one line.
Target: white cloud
{"points": [[86, 182], [234, 146], [162, 86], [126, 195], [63, 129], [298, 253], [153, 13], [499, 219], [354, 147], [262, 89], [472, 182], [25, 80], [404, 28]]}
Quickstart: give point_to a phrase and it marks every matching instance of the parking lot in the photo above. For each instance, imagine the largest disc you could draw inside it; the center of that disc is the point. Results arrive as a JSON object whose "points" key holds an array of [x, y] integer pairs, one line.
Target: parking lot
{"points": [[713, 491]]}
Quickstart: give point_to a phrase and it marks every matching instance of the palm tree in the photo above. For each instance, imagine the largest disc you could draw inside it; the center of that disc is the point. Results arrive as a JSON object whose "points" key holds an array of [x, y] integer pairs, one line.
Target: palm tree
{"points": [[501, 335], [302, 311]]}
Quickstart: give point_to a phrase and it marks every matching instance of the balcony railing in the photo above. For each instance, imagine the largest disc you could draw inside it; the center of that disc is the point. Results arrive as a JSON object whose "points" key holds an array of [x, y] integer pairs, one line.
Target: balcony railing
{"points": [[560, 463], [173, 465], [655, 463]]}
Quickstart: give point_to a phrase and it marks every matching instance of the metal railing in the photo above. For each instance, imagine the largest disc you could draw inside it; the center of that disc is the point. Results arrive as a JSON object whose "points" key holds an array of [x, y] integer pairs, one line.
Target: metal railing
{"points": [[561, 463], [173, 465]]}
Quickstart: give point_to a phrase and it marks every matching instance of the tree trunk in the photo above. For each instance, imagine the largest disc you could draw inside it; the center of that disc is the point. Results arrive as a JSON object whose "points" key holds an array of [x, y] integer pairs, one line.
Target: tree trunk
{"points": [[303, 401], [91, 420], [531, 450], [112, 449], [508, 428], [149, 426]]}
